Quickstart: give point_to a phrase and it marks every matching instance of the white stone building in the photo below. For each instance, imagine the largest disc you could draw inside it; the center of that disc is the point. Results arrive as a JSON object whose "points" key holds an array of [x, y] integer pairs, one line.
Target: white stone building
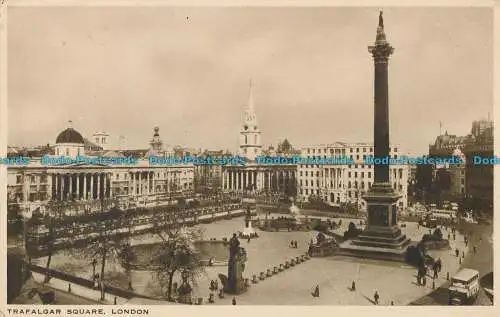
{"points": [[337, 184]]}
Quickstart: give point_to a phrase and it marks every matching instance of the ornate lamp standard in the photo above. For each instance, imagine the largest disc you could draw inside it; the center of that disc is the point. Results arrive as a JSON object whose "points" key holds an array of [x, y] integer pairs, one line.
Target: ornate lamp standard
{"points": [[94, 264]]}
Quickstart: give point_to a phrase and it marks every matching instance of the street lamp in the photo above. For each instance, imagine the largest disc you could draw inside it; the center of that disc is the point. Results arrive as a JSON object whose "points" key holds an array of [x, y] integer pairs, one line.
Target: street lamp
{"points": [[94, 263]]}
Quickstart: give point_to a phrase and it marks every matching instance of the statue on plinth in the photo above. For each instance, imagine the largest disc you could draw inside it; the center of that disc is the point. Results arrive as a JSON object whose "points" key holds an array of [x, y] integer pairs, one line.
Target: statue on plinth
{"points": [[248, 232], [236, 265]]}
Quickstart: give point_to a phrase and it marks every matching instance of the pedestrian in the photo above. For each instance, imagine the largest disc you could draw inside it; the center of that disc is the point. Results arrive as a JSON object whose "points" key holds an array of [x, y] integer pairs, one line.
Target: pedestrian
{"points": [[248, 240], [316, 291], [474, 248], [435, 273], [234, 301], [376, 297], [392, 303], [353, 286], [457, 252]]}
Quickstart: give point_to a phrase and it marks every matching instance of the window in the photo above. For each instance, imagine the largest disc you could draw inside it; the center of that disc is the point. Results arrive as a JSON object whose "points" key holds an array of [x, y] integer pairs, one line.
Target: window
{"points": [[371, 149], [317, 174], [307, 183], [349, 174], [314, 151], [319, 151], [355, 174], [355, 184], [364, 150], [369, 174], [349, 184], [350, 151], [18, 179], [357, 150], [300, 173], [246, 139], [97, 140], [307, 191], [396, 149], [317, 183], [362, 174], [300, 182], [363, 185], [67, 152], [306, 174], [462, 181]]}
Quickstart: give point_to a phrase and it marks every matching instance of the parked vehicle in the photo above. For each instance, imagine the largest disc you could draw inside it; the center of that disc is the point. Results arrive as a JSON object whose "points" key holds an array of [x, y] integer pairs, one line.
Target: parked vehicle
{"points": [[464, 287]]}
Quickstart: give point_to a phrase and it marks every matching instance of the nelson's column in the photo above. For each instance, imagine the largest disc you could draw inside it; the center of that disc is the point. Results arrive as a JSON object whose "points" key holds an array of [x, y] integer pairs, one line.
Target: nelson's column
{"points": [[382, 238]]}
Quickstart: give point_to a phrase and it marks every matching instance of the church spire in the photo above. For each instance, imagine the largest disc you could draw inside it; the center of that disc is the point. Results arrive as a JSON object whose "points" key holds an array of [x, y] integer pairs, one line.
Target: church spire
{"points": [[250, 103]]}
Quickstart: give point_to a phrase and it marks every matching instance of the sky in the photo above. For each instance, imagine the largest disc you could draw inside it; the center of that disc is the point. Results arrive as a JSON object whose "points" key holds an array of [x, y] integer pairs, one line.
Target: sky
{"points": [[187, 70]]}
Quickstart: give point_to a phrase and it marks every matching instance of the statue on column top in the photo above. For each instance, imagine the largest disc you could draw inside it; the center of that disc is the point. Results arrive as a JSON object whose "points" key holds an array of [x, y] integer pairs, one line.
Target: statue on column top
{"points": [[381, 19]]}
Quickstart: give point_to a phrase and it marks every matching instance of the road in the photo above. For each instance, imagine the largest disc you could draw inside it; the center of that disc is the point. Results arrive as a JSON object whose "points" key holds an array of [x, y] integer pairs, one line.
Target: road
{"points": [[482, 237]]}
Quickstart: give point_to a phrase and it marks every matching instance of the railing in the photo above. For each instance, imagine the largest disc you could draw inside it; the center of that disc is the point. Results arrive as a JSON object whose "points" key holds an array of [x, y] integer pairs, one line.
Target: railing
{"points": [[116, 291]]}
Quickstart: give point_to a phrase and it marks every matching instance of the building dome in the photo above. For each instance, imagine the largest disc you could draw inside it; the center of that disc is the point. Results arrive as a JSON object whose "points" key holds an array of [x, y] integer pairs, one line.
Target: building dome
{"points": [[70, 135]]}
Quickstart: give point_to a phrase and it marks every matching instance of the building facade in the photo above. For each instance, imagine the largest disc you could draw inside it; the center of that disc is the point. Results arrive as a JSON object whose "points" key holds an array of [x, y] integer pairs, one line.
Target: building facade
{"points": [[134, 184], [337, 184]]}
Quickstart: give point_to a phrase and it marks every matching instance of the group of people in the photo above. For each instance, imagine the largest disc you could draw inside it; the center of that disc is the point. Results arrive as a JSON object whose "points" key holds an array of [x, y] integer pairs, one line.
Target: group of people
{"points": [[214, 285], [376, 296], [293, 244]]}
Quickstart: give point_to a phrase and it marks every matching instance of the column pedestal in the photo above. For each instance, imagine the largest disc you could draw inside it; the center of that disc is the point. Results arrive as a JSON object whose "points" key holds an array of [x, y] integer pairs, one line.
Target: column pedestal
{"points": [[382, 237]]}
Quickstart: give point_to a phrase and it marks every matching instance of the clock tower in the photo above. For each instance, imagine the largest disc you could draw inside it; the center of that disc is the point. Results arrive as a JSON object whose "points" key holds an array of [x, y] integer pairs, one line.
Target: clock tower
{"points": [[250, 146]]}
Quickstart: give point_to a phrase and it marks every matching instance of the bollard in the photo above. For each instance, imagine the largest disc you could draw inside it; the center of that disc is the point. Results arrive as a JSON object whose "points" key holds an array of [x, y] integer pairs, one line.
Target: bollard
{"points": [[254, 279], [69, 288]]}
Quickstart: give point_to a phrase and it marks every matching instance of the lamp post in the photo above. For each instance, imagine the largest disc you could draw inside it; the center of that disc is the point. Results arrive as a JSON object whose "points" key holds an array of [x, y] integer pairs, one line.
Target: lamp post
{"points": [[94, 264]]}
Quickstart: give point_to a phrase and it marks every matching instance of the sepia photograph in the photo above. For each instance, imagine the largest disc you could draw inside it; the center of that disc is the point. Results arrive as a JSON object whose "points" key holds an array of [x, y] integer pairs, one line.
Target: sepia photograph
{"points": [[204, 155]]}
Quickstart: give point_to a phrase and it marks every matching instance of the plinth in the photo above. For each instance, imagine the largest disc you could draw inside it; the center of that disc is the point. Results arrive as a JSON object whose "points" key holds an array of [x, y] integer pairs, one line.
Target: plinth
{"points": [[382, 238]]}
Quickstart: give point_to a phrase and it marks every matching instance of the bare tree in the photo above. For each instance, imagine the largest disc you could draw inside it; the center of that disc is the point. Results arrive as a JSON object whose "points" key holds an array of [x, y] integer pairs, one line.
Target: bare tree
{"points": [[176, 252], [106, 242]]}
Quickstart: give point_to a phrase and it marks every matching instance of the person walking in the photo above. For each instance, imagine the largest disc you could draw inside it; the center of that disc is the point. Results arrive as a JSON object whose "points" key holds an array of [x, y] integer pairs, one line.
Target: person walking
{"points": [[353, 286], [316, 291], [234, 301], [376, 297]]}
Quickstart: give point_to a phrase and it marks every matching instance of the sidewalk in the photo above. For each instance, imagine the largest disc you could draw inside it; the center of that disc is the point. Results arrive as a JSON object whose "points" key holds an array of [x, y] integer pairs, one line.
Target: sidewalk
{"points": [[79, 290]]}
